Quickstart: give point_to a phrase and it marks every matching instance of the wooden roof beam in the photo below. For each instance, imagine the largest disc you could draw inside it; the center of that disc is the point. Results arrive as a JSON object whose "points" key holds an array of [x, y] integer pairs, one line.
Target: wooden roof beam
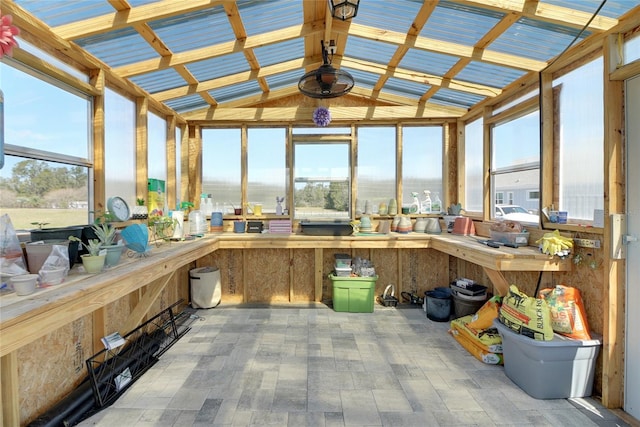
{"points": [[449, 48], [219, 49], [546, 12], [136, 15]]}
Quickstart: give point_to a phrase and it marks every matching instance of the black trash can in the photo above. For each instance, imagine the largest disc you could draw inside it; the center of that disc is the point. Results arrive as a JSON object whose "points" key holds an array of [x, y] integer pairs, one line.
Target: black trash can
{"points": [[438, 303]]}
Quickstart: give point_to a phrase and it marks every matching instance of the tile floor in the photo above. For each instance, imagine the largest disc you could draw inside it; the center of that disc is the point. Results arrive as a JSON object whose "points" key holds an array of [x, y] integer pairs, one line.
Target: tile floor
{"points": [[311, 366]]}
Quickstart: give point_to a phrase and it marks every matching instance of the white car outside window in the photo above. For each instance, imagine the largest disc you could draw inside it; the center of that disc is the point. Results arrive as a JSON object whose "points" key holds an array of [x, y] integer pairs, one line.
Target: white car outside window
{"points": [[515, 213]]}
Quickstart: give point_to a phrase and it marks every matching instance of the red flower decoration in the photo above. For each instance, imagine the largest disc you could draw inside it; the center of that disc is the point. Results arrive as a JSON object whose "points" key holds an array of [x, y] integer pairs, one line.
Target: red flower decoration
{"points": [[7, 35]]}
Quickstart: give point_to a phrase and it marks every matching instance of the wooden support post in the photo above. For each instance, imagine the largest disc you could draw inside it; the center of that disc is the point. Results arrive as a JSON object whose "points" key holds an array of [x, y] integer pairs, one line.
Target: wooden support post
{"points": [[500, 284], [319, 276], [141, 310], [9, 390]]}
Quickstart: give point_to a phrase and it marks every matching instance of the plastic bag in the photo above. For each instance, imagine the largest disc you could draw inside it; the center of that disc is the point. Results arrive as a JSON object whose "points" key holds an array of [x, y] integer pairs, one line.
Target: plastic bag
{"points": [[525, 315], [11, 256], [56, 266], [568, 316]]}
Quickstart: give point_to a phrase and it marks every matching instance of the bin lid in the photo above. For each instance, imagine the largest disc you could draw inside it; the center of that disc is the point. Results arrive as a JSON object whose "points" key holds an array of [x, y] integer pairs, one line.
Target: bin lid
{"points": [[201, 270]]}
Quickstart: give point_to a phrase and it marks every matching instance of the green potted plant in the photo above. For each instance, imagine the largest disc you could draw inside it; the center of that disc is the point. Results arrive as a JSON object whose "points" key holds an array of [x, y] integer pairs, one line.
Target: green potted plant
{"points": [[107, 235], [161, 227], [93, 261], [139, 210]]}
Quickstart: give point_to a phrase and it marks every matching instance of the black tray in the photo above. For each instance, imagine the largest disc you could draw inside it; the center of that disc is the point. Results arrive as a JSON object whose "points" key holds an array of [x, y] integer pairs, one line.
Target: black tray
{"points": [[326, 228]]}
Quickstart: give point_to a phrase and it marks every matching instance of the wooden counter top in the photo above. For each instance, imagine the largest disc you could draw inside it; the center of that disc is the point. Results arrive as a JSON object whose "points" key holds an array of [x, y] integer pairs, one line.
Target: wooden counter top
{"points": [[26, 318]]}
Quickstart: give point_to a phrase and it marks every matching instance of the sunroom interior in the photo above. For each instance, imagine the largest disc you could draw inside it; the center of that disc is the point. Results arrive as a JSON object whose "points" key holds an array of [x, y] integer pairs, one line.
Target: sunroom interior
{"points": [[482, 104]]}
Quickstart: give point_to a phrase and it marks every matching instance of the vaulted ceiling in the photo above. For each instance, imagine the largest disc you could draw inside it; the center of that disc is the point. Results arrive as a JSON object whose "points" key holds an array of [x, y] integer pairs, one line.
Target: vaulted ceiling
{"points": [[208, 59]]}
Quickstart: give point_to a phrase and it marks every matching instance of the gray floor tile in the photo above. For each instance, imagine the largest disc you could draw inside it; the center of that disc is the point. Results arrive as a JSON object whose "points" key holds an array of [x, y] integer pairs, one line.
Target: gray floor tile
{"points": [[299, 366]]}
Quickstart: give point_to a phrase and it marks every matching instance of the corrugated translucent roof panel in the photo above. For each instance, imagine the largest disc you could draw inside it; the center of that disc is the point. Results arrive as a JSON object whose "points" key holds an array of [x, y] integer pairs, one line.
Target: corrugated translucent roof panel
{"points": [[187, 103], [60, 12], [369, 50], [237, 91], [194, 30], [219, 66], [459, 24], [488, 74], [536, 39], [392, 15], [427, 62], [158, 81], [455, 98], [611, 9], [405, 88], [279, 52], [290, 78], [260, 16], [363, 79], [117, 48]]}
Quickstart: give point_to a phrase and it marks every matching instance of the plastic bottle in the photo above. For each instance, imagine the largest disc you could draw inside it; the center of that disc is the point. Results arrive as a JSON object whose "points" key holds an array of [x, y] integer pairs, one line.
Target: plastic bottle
{"points": [[436, 204], [426, 203]]}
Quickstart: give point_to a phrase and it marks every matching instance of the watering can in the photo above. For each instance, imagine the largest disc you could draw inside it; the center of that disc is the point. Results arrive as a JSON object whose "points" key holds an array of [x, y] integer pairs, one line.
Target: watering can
{"points": [[256, 208]]}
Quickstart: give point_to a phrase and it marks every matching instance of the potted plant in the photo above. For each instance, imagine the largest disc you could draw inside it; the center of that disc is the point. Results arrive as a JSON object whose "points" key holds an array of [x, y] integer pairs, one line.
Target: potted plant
{"points": [[139, 210], [93, 261], [161, 227], [107, 235]]}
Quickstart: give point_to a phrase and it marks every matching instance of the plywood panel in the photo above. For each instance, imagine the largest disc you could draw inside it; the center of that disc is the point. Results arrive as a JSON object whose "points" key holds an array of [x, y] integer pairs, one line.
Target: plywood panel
{"points": [[386, 263], [229, 261], [302, 262], [423, 270], [52, 366], [266, 275]]}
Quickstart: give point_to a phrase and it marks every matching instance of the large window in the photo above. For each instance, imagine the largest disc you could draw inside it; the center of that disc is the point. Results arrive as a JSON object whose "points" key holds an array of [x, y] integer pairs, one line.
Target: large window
{"points": [[376, 169], [120, 147], [157, 147], [266, 167], [578, 98], [322, 177], [473, 161], [421, 162], [515, 162], [47, 127], [221, 167]]}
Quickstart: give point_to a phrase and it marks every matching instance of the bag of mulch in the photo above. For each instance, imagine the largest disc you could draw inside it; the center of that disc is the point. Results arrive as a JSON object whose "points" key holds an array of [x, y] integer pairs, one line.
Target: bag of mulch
{"points": [[568, 316], [525, 315], [483, 318]]}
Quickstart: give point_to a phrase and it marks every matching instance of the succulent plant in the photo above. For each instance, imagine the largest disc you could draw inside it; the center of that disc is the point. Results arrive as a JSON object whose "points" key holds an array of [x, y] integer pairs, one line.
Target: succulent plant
{"points": [[106, 233], [454, 209], [93, 245]]}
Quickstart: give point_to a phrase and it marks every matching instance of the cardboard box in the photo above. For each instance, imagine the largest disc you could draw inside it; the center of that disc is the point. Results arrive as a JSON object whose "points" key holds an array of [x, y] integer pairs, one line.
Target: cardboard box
{"points": [[559, 369]]}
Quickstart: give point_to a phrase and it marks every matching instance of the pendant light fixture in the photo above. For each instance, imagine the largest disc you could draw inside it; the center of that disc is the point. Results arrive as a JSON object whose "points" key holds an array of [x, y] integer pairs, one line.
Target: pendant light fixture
{"points": [[344, 9], [326, 81]]}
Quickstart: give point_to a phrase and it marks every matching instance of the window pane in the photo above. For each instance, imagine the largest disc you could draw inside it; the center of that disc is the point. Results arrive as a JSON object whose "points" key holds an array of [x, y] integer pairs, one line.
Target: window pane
{"points": [[42, 116], [515, 164], [266, 167], [322, 180], [376, 168], [45, 175], [120, 147], [221, 170], [421, 162], [473, 162], [36, 191], [157, 148], [178, 166], [579, 98]]}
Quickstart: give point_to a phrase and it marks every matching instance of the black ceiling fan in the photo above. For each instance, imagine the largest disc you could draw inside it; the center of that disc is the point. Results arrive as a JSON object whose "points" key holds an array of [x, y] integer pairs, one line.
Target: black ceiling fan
{"points": [[326, 81]]}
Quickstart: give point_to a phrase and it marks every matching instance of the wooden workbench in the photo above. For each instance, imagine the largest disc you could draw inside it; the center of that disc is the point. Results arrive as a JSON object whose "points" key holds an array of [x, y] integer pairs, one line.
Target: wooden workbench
{"points": [[26, 319]]}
